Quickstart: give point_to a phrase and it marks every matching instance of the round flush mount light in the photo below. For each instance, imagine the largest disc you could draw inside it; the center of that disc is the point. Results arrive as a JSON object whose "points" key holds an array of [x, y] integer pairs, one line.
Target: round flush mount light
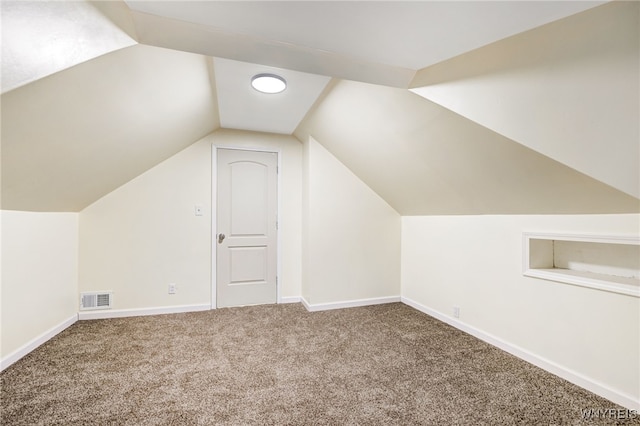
{"points": [[268, 83]]}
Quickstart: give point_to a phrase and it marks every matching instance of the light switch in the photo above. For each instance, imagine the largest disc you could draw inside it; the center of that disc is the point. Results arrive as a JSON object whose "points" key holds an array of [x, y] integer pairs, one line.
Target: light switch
{"points": [[199, 210]]}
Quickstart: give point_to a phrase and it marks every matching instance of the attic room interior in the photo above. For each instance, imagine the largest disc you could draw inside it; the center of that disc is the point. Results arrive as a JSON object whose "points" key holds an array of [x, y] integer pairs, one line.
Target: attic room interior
{"points": [[461, 177]]}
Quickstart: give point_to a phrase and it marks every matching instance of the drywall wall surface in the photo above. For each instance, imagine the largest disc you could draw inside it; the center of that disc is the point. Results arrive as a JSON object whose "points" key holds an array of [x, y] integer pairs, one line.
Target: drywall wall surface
{"points": [[425, 159], [289, 198], [39, 275], [145, 234], [352, 235], [475, 263], [569, 90]]}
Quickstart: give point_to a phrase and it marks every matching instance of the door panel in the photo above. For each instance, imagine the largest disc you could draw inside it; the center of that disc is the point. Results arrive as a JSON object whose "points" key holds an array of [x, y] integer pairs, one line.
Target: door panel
{"points": [[248, 265], [249, 199], [246, 259]]}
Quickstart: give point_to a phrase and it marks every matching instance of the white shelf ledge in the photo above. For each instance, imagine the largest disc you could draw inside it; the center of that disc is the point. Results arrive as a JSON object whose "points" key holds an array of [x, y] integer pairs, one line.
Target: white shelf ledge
{"points": [[622, 285]]}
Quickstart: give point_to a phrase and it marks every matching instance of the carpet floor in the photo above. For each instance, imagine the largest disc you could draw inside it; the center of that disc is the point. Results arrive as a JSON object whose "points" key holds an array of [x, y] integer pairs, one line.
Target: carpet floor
{"points": [[281, 365]]}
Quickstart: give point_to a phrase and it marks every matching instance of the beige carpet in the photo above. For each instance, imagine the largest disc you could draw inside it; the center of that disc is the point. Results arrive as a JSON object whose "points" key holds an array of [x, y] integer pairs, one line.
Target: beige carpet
{"points": [[281, 365]]}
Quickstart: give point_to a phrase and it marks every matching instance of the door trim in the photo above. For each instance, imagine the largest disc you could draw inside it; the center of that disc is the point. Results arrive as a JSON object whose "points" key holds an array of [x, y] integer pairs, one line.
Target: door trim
{"points": [[214, 217]]}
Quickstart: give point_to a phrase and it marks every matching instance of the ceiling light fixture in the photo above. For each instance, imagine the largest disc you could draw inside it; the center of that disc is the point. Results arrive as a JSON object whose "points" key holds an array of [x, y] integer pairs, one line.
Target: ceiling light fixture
{"points": [[268, 83]]}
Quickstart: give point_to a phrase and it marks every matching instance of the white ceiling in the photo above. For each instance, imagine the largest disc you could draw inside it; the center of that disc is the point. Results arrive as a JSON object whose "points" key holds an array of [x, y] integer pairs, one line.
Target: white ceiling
{"points": [[95, 93], [41, 38], [242, 107], [380, 42]]}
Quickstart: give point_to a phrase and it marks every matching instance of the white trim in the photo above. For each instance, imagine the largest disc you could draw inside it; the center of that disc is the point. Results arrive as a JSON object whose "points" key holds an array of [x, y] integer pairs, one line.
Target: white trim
{"points": [[578, 379], [214, 211], [246, 148], [349, 303], [290, 299], [121, 313], [34, 343], [587, 238], [214, 225], [278, 233], [584, 279]]}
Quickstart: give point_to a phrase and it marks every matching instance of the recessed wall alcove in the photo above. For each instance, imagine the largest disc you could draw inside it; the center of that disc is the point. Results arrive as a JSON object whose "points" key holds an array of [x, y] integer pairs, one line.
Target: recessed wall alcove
{"points": [[607, 263]]}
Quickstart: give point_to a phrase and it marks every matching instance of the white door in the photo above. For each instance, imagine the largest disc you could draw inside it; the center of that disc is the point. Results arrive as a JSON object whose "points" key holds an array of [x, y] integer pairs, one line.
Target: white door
{"points": [[246, 259]]}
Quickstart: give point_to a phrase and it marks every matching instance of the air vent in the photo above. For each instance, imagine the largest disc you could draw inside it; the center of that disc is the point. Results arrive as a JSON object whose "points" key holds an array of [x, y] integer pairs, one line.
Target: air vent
{"points": [[96, 300]]}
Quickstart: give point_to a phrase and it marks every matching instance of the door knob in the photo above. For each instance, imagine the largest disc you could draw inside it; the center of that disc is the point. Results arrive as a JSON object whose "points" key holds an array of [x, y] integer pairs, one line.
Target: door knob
{"points": [[220, 238]]}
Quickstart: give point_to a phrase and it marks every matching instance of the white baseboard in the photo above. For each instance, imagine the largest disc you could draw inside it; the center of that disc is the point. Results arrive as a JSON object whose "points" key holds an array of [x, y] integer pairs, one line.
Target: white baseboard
{"points": [[305, 303], [349, 303], [121, 313], [578, 379], [33, 344], [290, 299]]}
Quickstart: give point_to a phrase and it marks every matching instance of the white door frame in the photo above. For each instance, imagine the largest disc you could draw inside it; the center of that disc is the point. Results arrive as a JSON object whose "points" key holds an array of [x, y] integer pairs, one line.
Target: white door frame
{"points": [[214, 217]]}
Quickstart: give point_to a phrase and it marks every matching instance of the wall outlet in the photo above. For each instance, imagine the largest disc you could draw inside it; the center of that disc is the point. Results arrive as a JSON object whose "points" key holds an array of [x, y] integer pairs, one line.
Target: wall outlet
{"points": [[456, 312], [172, 289]]}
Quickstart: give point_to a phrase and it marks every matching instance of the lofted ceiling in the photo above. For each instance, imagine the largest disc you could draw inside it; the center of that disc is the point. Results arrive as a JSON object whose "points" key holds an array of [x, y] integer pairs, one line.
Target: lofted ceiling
{"points": [[422, 154], [381, 42], [95, 93]]}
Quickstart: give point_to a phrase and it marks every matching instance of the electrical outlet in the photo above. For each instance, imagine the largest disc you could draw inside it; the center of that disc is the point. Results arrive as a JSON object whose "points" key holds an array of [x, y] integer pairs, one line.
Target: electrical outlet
{"points": [[456, 312], [172, 289]]}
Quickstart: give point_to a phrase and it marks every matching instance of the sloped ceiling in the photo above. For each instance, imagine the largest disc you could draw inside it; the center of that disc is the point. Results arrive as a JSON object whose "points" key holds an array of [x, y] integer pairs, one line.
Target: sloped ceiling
{"points": [[425, 159], [74, 136], [103, 114], [42, 38], [381, 42], [569, 90]]}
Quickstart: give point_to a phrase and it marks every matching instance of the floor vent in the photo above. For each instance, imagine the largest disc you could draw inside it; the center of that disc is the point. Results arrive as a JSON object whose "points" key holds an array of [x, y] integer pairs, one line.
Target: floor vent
{"points": [[96, 300]]}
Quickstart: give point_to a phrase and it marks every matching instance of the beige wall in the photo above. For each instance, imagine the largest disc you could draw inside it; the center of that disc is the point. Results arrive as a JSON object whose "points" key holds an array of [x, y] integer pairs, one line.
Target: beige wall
{"points": [[475, 263], [352, 236], [39, 275], [145, 235], [569, 90]]}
